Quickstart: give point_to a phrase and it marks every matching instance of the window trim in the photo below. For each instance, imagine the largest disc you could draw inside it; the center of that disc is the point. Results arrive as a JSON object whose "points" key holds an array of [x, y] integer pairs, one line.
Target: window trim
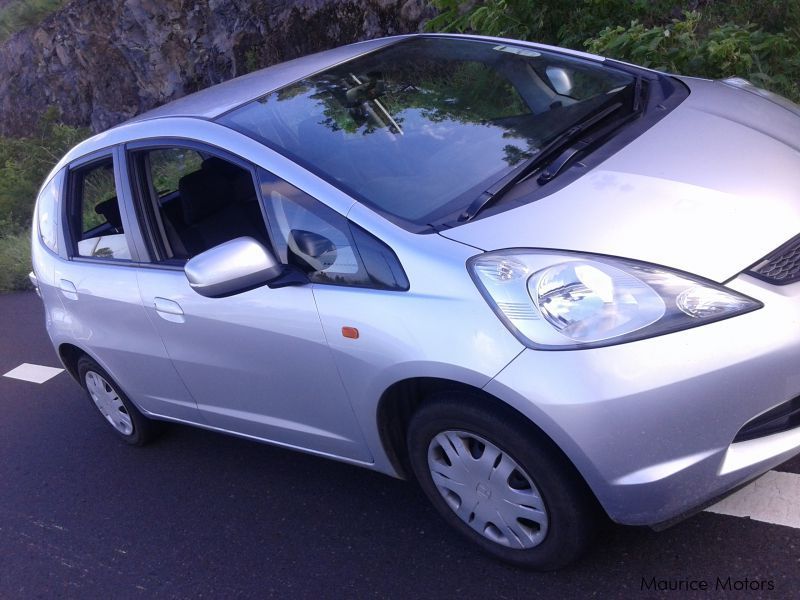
{"points": [[144, 187]]}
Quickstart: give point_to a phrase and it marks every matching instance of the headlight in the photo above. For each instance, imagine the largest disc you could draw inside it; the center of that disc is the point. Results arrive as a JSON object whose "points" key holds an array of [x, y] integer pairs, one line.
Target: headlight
{"points": [[559, 300]]}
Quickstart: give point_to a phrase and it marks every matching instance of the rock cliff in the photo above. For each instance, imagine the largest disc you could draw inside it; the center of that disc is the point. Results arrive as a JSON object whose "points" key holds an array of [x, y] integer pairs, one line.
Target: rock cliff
{"points": [[102, 61]]}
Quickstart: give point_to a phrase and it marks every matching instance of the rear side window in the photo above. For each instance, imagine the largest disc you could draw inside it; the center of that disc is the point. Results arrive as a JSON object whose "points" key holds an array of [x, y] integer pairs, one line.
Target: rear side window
{"points": [[95, 220], [46, 213]]}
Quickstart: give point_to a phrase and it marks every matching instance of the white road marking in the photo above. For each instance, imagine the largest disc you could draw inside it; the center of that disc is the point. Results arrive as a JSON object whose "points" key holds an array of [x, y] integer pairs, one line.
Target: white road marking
{"points": [[773, 498], [33, 373]]}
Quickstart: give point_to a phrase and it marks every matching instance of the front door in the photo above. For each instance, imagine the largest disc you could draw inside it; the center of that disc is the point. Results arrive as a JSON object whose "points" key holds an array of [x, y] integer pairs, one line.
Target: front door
{"points": [[257, 363]]}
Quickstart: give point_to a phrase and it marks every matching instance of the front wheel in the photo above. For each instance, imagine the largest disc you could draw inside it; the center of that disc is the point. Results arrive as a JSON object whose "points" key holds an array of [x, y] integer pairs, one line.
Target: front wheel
{"points": [[499, 483]]}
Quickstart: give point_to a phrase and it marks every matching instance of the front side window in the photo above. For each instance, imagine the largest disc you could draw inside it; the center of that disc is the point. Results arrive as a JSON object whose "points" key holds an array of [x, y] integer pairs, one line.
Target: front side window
{"points": [[419, 129], [169, 165], [196, 200], [95, 219], [193, 200], [321, 242]]}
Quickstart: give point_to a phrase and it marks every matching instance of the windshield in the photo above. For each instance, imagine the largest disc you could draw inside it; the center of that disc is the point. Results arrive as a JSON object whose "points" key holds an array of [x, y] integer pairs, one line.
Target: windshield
{"points": [[418, 129]]}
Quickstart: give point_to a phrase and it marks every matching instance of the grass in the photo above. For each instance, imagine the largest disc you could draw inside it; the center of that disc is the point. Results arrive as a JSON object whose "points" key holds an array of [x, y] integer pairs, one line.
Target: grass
{"points": [[15, 261]]}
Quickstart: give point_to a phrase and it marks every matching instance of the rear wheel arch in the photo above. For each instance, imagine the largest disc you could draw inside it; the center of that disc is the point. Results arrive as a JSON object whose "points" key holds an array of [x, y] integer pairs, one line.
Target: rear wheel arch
{"points": [[125, 419], [70, 355]]}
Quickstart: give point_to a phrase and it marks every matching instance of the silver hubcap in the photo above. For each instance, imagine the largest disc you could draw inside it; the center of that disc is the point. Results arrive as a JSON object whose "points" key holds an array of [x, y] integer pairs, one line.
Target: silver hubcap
{"points": [[487, 489], [108, 403]]}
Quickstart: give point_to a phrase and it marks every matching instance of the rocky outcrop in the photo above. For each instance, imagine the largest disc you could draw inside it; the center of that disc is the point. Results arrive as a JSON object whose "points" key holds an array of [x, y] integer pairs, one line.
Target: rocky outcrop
{"points": [[102, 61]]}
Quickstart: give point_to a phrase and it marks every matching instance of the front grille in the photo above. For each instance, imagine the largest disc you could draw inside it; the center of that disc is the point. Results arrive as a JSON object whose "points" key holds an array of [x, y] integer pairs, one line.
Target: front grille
{"points": [[782, 266]]}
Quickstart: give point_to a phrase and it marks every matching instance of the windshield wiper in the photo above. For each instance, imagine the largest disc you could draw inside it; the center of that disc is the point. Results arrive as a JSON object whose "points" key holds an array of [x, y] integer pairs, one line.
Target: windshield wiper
{"points": [[502, 186]]}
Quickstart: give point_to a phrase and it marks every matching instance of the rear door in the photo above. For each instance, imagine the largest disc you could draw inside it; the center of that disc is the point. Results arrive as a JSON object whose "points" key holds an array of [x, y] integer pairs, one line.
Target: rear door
{"points": [[257, 363], [97, 285]]}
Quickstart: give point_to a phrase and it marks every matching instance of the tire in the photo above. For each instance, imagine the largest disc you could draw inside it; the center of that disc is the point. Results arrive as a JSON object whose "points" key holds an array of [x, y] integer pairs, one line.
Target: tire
{"points": [[113, 405], [503, 463]]}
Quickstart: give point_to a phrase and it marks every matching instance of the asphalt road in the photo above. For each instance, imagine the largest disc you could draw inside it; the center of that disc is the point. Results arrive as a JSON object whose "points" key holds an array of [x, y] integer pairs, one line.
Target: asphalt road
{"points": [[201, 515]]}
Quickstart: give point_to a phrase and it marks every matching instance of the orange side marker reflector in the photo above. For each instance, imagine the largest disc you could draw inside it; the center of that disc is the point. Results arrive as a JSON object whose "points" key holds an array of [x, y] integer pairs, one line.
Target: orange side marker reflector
{"points": [[350, 332]]}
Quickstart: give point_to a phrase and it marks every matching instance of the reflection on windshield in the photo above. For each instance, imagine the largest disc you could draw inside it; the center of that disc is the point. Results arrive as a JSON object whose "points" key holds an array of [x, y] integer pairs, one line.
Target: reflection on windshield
{"points": [[418, 128]]}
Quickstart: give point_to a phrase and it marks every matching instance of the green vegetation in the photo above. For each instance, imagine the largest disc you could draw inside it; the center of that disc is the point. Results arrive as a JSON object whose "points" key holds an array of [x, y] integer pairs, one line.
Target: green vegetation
{"points": [[15, 260], [24, 163], [769, 60], [167, 166], [758, 39], [21, 14], [98, 186], [459, 92]]}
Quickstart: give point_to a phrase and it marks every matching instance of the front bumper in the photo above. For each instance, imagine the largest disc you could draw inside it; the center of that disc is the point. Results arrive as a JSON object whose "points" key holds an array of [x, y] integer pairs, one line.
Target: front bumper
{"points": [[650, 424]]}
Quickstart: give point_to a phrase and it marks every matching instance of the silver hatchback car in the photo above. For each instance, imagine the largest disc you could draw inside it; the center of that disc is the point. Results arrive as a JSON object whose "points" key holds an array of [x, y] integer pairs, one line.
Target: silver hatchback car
{"points": [[549, 286]]}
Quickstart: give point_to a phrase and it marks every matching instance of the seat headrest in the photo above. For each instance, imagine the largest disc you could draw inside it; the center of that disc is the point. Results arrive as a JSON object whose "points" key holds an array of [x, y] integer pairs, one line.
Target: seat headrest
{"points": [[212, 163], [239, 178], [109, 210], [203, 193]]}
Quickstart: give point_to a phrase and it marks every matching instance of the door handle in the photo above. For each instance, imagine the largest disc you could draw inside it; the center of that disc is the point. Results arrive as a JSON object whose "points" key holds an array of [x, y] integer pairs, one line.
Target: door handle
{"points": [[68, 289], [168, 310]]}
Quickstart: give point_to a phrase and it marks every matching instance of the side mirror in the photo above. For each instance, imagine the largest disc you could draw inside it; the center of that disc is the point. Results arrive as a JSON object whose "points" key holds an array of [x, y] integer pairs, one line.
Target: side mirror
{"points": [[313, 250], [560, 79], [234, 266]]}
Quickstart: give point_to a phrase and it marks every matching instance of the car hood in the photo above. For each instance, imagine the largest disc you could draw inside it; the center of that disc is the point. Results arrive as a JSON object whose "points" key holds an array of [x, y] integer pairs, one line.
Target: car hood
{"points": [[710, 189]]}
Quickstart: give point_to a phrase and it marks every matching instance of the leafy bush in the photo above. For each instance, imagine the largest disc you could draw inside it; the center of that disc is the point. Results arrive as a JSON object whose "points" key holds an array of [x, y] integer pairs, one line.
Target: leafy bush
{"points": [[758, 40], [563, 22], [769, 60], [15, 260], [25, 162]]}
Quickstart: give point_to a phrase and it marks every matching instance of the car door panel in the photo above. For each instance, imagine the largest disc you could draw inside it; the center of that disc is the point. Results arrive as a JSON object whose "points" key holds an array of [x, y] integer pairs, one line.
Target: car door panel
{"points": [[257, 363], [103, 310], [106, 318]]}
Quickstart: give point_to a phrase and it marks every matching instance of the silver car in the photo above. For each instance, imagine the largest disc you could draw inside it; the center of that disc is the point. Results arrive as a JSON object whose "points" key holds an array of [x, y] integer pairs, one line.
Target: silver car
{"points": [[549, 286]]}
